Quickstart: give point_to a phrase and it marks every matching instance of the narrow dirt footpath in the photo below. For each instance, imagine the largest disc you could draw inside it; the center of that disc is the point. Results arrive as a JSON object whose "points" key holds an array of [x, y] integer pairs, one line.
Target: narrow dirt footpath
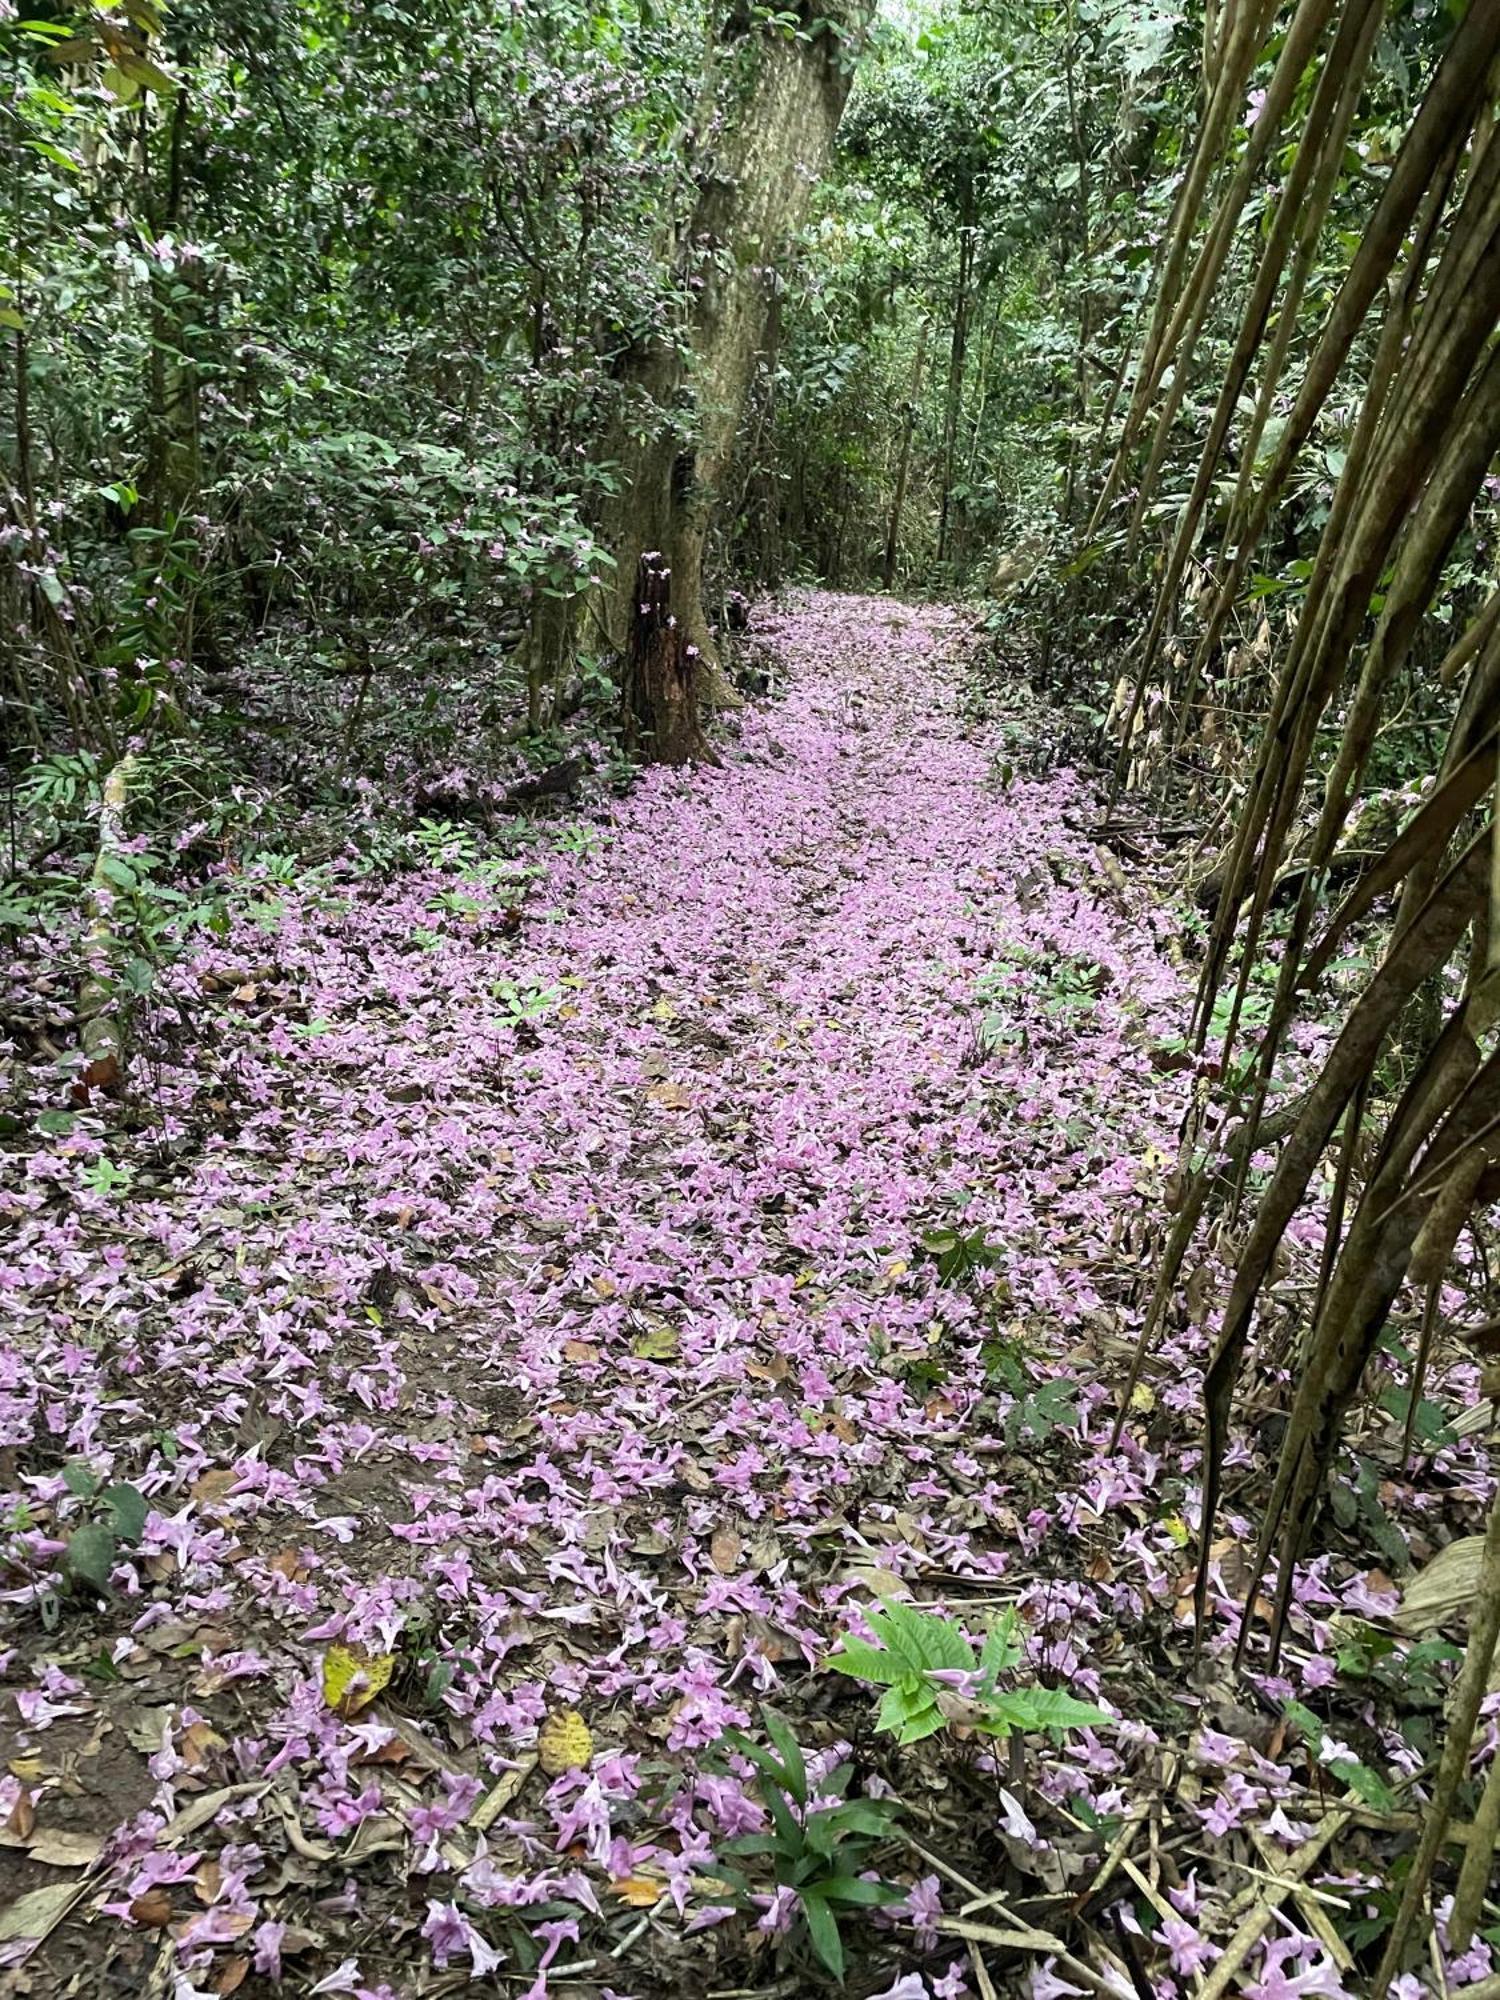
{"points": [[550, 1271]]}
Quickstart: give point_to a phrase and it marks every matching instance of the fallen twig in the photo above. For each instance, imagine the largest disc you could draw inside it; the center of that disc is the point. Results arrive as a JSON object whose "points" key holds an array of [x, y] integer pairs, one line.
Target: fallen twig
{"points": [[1249, 1933]]}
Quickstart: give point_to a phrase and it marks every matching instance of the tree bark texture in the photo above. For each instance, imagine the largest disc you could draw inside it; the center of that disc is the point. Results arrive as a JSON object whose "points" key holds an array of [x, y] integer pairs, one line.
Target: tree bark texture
{"points": [[781, 99]]}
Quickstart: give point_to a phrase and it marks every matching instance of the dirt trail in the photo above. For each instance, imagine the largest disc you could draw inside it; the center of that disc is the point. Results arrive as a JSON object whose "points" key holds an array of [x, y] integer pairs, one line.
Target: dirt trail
{"points": [[544, 1277]]}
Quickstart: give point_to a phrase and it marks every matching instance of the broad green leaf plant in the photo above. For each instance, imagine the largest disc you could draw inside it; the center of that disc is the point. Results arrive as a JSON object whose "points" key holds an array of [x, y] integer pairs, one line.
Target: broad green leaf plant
{"points": [[933, 1678]]}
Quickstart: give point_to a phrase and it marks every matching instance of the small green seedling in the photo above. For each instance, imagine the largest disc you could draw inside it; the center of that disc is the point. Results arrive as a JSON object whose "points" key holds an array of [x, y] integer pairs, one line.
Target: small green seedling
{"points": [[819, 1847]]}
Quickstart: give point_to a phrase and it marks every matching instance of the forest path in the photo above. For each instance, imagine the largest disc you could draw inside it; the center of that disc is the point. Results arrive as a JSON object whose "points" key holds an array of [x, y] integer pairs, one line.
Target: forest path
{"points": [[597, 1361]]}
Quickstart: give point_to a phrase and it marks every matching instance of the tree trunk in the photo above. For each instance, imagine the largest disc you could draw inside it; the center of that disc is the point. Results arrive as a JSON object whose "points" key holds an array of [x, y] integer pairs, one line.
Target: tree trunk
{"points": [[903, 460], [170, 477], [662, 673], [755, 179], [957, 356]]}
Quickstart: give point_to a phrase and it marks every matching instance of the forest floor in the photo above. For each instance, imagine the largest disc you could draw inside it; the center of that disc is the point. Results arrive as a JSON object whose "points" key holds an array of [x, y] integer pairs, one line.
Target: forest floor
{"points": [[564, 1288]]}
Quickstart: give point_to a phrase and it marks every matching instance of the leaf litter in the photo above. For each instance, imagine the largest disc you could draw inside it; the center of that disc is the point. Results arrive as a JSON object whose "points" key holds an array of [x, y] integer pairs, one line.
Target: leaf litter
{"points": [[526, 1394]]}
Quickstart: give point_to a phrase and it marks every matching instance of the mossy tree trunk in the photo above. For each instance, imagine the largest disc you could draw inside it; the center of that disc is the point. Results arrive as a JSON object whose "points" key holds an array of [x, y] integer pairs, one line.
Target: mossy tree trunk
{"points": [[766, 144]]}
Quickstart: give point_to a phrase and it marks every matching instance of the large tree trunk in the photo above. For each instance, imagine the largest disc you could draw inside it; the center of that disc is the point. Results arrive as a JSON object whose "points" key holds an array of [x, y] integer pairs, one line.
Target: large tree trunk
{"points": [[661, 678], [781, 99]]}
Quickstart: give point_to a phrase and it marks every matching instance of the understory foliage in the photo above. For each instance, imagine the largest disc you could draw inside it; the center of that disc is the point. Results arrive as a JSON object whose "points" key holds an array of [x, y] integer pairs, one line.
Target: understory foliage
{"points": [[313, 322], [973, 274], [1292, 537]]}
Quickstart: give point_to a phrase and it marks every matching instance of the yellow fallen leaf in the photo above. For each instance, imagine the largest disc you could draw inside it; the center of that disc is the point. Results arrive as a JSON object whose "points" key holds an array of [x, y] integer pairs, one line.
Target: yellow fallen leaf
{"points": [[639, 1891], [352, 1679], [1177, 1528], [1143, 1397], [564, 1743], [660, 1344]]}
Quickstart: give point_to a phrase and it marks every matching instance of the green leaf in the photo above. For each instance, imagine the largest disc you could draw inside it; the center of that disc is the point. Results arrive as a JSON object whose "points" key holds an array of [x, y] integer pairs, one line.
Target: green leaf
{"points": [[921, 1640], [909, 1711], [1365, 1784], [871, 1816], [127, 1509], [91, 1555], [862, 1661], [55, 154], [1003, 1648], [78, 1479], [57, 1124], [855, 1889], [788, 1832], [104, 1176], [1305, 1721], [115, 868], [1047, 1708], [142, 71], [791, 1754], [823, 1930], [120, 86], [759, 1756]]}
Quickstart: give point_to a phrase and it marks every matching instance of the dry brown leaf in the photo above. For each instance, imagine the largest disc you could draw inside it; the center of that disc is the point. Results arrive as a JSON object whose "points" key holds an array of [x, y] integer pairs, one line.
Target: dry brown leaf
{"points": [[57, 1848], [31, 1919], [869, 1576], [500, 1795], [1443, 1589], [379, 1834], [154, 1909], [725, 1551], [215, 1485], [581, 1352], [198, 1743], [146, 1729], [231, 1976], [753, 1634], [672, 1095]]}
